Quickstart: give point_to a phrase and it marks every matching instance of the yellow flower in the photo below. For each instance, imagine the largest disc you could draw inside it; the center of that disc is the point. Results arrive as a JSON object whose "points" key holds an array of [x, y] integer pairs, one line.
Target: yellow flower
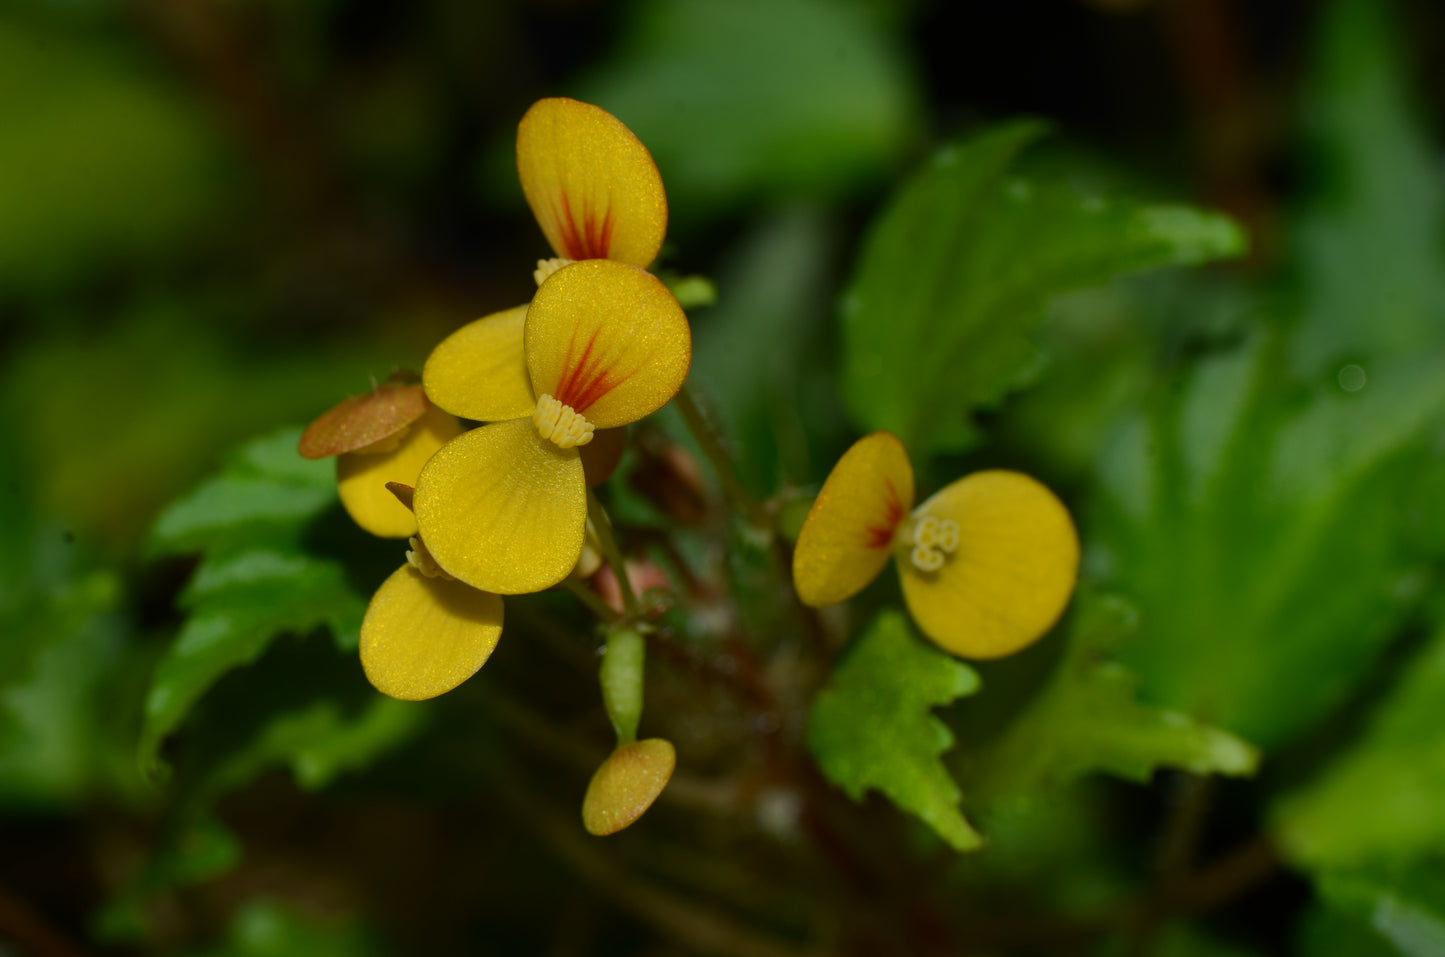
{"points": [[596, 194], [383, 436], [987, 564], [503, 507]]}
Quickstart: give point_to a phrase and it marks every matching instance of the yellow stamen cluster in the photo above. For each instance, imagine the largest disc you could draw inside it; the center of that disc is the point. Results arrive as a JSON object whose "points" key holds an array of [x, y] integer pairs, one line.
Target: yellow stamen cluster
{"points": [[420, 559], [546, 267], [933, 540], [559, 424]]}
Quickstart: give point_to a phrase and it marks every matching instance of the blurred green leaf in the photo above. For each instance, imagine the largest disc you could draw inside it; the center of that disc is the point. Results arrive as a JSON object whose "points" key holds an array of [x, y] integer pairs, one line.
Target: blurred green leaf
{"points": [[268, 929], [755, 356], [871, 727], [1405, 906], [195, 850], [1331, 932], [99, 161], [1256, 525], [1088, 718], [743, 97], [960, 266], [1379, 801], [1368, 241], [255, 581]]}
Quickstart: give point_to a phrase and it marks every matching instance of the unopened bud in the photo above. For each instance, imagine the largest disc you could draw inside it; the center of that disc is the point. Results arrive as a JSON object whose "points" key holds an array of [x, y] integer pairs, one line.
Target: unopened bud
{"points": [[626, 785]]}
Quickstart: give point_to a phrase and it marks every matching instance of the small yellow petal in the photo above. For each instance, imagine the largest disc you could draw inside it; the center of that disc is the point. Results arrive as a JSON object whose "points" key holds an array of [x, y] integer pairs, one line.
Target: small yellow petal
{"points": [[591, 183], [423, 636], [607, 340], [1010, 575], [626, 785], [480, 371], [502, 509], [361, 477], [846, 539]]}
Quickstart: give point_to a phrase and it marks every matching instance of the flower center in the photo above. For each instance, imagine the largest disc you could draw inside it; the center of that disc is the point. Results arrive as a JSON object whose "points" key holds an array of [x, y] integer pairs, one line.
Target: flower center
{"points": [[546, 267], [420, 559], [559, 424], [933, 540]]}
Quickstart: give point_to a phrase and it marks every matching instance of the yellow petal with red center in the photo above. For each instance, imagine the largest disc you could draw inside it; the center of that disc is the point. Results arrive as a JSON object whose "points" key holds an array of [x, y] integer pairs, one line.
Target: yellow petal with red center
{"points": [[423, 636], [847, 537], [503, 509], [591, 183], [607, 340], [1009, 574], [480, 371], [361, 477]]}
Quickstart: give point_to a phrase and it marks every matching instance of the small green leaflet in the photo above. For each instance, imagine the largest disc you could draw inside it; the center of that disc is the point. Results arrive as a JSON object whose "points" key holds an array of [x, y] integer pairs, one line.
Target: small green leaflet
{"points": [[871, 727], [1380, 800], [959, 269], [255, 580], [1088, 718]]}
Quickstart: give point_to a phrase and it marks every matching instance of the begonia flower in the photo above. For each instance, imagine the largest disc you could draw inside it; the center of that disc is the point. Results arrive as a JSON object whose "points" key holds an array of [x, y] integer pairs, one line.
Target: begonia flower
{"points": [[987, 564], [503, 507], [596, 194], [383, 436]]}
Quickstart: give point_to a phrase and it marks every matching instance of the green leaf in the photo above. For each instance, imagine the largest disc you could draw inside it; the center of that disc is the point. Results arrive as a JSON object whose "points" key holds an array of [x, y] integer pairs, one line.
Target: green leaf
{"points": [[1368, 241], [699, 81], [1379, 801], [267, 929], [960, 266], [1255, 524], [255, 582], [1088, 718], [1405, 906], [98, 159], [871, 727]]}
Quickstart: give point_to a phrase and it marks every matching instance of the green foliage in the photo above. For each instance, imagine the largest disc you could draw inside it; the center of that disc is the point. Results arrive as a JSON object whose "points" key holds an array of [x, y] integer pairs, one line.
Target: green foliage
{"points": [[1378, 802], [958, 269], [1259, 520], [1405, 907], [255, 581], [98, 161], [872, 726], [699, 82], [264, 928], [1088, 718]]}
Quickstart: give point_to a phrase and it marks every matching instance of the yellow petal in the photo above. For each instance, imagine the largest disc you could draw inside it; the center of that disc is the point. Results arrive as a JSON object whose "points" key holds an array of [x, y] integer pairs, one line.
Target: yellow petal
{"points": [[361, 477], [502, 509], [608, 340], [846, 539], [480, 371], [1011, 574], [591, 183], [626, 785], [423, 636]]}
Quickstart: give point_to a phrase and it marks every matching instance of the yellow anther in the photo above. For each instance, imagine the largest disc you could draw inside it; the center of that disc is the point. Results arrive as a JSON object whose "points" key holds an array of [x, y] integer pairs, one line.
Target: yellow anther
{"points": [[559, 424], [420, 559], [948, 535], [927, 559], [934, 539], [546, 267]]}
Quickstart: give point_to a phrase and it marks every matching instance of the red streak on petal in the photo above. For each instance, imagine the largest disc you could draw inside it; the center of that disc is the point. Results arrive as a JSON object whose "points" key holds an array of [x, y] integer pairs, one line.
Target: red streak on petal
{"points": [[592, 241], [881, 536], [583, 383]]}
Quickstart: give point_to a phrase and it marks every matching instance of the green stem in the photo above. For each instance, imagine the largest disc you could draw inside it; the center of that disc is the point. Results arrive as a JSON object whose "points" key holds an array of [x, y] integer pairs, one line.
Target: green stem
{"points": [[711, 442], [612, 554], [589, 598]]}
